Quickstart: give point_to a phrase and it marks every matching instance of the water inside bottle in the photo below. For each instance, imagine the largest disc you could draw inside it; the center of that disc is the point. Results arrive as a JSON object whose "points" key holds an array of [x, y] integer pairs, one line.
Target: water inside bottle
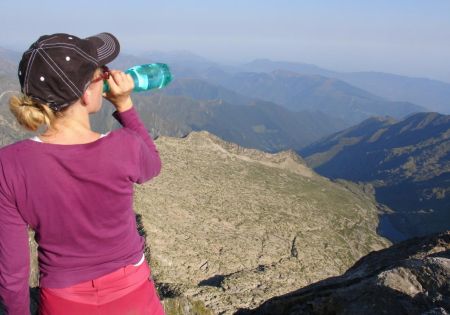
{"points": [[164, 75], [150, 76]]}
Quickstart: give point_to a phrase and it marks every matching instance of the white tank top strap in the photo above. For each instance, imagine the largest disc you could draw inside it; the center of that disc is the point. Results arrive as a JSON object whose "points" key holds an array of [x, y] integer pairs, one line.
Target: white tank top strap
{"points": [[140, 261], [36, 138]]}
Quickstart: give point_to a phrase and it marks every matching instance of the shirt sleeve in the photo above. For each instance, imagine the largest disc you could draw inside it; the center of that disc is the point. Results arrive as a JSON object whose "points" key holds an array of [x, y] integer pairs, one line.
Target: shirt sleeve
{"points": [[149, 163], [14, 255]]}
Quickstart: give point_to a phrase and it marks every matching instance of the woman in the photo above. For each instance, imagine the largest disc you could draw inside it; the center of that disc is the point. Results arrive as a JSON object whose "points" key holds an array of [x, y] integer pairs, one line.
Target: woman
{"points": [[74, 186]]}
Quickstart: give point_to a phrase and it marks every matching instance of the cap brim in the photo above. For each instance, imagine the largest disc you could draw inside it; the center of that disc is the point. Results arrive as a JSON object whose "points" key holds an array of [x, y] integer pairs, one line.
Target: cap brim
{"points": [[107, 46]]}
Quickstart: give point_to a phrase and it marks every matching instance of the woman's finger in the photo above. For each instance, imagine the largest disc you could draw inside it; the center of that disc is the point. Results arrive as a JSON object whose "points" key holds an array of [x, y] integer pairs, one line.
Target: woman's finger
{"points": [[130, 80], [120, 83], [117, 76], [112, 83]]}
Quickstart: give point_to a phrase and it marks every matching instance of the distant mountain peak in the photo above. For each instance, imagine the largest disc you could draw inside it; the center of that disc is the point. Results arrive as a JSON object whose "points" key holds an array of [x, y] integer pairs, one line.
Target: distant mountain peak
{"points": [[289, 73], [274, 63]]}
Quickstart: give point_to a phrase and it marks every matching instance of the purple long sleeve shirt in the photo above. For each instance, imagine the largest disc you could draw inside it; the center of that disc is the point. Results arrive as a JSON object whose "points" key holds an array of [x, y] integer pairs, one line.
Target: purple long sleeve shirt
{"points": [[78, 199]]}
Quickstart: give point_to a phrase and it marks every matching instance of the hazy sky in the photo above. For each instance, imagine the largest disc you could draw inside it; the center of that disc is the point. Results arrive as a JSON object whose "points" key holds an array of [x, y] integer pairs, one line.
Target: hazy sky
{"points": [[410, 37]]}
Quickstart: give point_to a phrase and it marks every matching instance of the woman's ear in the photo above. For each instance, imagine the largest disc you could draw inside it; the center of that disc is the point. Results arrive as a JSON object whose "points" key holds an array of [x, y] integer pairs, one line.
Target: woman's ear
{"points": [[85, 97]]}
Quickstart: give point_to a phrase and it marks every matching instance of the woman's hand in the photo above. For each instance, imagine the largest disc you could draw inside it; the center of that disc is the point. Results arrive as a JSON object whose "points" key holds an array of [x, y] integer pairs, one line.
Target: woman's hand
{"points": [[120, 87]]}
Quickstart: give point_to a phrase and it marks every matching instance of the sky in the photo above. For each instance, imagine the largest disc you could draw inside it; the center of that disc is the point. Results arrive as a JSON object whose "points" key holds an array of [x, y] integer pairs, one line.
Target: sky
{"points": [[407, 37]]}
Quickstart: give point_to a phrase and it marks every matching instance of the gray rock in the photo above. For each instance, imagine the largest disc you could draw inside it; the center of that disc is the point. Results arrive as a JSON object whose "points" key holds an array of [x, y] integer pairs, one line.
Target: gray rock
{"points": [[411, 277]]}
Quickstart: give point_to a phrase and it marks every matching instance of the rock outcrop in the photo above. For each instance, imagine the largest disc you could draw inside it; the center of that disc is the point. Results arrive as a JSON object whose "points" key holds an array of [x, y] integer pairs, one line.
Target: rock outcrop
{"points": [[411, 277], [233, 227]]}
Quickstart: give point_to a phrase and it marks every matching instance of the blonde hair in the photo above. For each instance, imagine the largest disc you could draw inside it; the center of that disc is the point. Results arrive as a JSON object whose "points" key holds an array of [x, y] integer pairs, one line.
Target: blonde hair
{"points": [[31, 113]]}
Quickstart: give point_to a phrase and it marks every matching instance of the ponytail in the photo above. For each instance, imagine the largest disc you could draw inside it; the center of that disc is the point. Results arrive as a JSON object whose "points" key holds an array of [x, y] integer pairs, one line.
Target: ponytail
{"points": [[31, 113]]}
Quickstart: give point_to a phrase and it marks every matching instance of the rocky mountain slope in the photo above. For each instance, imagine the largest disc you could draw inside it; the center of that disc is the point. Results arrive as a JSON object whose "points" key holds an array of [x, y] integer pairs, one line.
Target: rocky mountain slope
{"points": [[407, 161], [231, 227], [412, 277]]}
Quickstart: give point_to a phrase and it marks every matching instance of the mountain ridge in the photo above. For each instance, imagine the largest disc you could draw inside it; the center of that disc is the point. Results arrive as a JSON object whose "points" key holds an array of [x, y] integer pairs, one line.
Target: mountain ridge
{"points": [[407, 162], [314, 92], [431, 93]]}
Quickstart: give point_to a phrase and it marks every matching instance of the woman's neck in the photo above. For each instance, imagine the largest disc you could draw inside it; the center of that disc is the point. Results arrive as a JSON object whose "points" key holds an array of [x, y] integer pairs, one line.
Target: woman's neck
{"points": [[75, 120], [73, 127]]}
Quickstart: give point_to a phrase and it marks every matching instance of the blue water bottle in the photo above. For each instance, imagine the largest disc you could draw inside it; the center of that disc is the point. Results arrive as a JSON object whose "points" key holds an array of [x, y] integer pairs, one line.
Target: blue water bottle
{"points": [[147, 77]]}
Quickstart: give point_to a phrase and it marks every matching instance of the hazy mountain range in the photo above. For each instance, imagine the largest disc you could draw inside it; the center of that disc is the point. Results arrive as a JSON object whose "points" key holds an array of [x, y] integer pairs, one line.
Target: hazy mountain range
{"points": [[312, 92], [432, 94]]}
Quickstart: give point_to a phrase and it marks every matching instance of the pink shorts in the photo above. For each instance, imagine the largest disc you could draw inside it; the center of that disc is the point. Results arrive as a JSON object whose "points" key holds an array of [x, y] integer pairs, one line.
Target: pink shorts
{"points": [[127, 291]]}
